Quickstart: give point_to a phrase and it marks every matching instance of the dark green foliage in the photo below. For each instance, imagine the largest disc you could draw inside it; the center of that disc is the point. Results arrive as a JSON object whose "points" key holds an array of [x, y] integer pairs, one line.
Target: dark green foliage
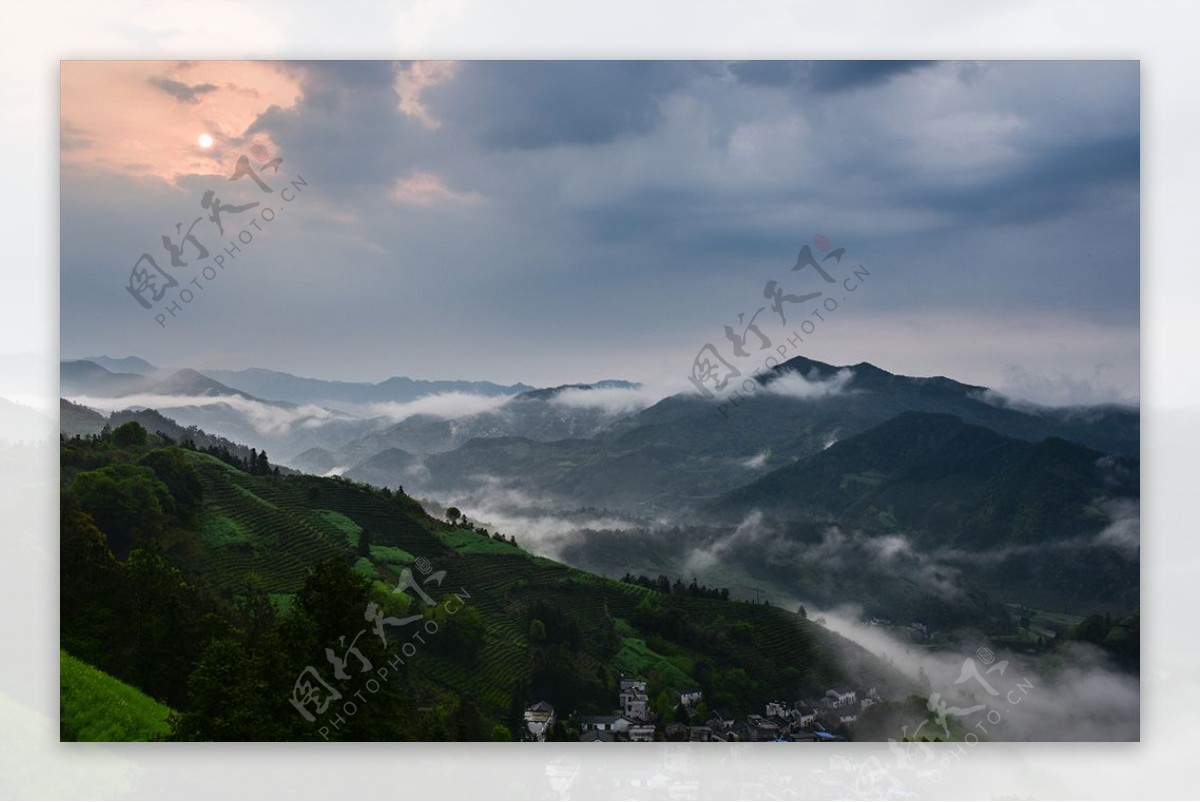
{"points": [[173, 469], [1119, 638], [138, 620], [129, 434], [128, 502], [947, 483]]}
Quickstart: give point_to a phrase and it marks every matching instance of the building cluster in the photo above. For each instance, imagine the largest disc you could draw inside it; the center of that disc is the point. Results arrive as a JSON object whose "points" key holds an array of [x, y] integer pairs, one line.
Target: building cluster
{"points": [[632, 719]]}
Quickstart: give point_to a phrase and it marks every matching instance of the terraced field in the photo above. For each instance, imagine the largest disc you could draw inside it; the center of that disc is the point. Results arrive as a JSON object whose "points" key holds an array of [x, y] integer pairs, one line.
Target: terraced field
{"points": [[276, 528], [243, 533]]}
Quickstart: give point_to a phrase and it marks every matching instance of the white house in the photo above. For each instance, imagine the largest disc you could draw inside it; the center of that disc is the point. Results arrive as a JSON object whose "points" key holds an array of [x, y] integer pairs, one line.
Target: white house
{"points": [[781, 709], [841, 696], [635, 704], [605, 723], [538, 721]]}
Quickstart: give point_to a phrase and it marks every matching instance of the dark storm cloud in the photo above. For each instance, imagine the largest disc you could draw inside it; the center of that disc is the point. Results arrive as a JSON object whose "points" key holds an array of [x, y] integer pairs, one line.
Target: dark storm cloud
{"points": [[840, 76], [347, 131], [1049, 182], [538, 104], [181, 91], [822, 76], [1053, 183]]}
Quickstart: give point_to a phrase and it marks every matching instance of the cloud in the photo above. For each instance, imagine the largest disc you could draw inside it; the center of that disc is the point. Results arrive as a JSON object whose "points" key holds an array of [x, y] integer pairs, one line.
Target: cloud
{"points": [[612, 400], [758, 461], [541, 523], [1124, 533], [427, 189], [893, 554], [442, 405], [1100, 384], [793, 384], [1082, 699], [663, 194], [265, 418], [181, 91], [823, 76], [541, 104], [142, 118], [414, 78]]}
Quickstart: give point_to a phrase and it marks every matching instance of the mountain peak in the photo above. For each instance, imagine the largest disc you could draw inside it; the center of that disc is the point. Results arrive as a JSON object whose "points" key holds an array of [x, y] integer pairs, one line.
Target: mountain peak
{"points": [[187, 381], [123, 364], [547, 393], [867, 369], [804, 365]]}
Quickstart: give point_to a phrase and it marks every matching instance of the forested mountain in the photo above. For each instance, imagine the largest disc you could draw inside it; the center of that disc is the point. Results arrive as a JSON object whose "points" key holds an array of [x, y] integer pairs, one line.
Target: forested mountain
{"points": [[686, 451], [946, 484], [211, 588]]}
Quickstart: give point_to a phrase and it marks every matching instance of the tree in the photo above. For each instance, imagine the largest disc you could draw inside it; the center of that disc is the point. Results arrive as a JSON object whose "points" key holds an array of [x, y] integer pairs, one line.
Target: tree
{"points": [[800, 611], [364, 543], [453, 514], [128, 502], [173, 469], [129, 434]]}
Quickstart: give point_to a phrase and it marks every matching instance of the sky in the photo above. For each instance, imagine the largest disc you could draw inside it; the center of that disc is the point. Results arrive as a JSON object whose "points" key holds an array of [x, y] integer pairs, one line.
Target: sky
{"points": [[555, 221]]}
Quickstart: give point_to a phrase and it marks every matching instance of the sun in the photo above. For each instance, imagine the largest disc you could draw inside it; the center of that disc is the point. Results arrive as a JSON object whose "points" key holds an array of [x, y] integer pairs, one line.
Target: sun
{"points": [[205, 141]]}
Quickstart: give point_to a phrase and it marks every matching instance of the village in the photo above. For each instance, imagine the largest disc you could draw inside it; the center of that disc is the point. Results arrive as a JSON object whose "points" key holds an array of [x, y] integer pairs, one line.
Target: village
{"points": [[632, 719]]}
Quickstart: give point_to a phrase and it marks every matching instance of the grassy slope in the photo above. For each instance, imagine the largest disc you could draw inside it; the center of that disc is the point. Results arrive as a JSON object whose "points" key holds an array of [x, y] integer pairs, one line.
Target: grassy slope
{"points": [[98, 707]]}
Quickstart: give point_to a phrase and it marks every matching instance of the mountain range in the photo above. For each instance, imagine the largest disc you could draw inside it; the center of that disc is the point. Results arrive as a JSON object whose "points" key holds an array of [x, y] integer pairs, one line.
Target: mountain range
{"points": [[962, 483]]}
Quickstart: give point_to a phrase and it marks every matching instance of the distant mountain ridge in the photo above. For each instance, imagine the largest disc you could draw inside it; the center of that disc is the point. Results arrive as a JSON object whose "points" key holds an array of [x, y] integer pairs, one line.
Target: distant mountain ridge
{"points": [[302, 390], [683, 452], [127, 364], [195, 399]]}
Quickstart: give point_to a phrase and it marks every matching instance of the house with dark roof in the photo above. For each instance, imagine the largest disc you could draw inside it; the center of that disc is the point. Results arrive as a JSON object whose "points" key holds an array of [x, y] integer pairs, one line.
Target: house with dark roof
{"points": [[761, 729], [592, 736]]}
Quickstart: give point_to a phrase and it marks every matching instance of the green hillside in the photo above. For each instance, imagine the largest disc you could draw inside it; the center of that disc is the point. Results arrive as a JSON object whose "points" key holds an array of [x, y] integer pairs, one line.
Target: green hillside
{"points": [[97, 707], [213, 587]]}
